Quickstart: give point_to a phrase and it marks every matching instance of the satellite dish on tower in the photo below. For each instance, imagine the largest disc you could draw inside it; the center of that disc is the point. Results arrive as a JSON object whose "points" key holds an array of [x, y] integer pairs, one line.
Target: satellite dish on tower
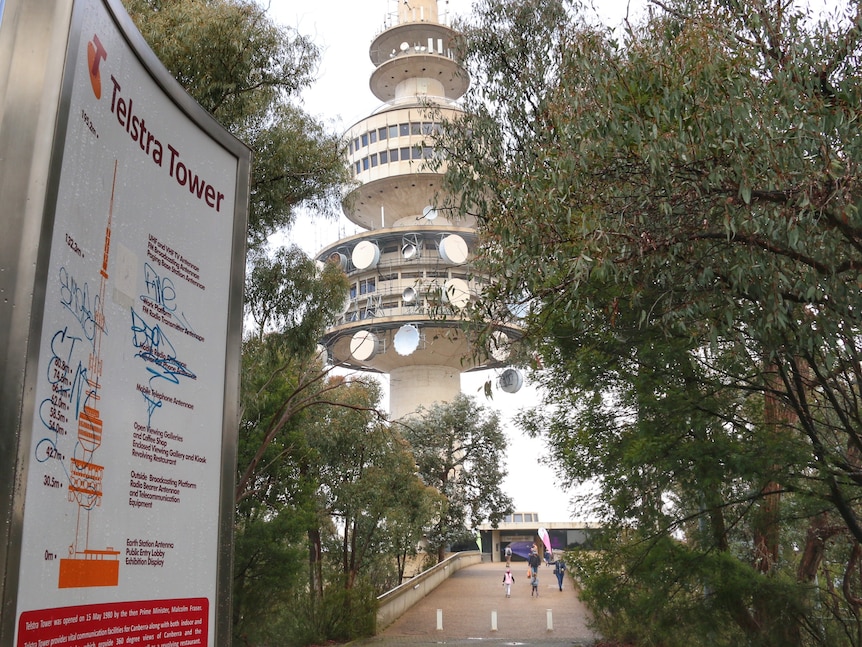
{"points": [[347, 303], [406, 340], [338, 259], [456, 292], [408, 295], [521, 308], [499, 344], [453, 249], [365, 255], [429, 213], [511, 380], [363, 345]]}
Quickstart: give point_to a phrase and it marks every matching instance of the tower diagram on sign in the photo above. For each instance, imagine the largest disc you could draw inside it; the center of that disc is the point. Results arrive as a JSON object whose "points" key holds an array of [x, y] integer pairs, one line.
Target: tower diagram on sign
{"points": [[86, 566]]}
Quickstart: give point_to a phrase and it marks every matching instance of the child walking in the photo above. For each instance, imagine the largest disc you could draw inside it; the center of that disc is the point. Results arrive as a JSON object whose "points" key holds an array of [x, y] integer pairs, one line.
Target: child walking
{"points": [[535, 584], [508, 578]]}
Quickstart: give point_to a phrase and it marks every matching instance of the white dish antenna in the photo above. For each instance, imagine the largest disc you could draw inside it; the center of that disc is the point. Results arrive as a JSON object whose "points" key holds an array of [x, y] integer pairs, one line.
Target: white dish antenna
{"points": [[406, 340], [511, 380], [339, 259], [365, 255], [520, 309], [499, 344], [347, 303], [363, 345], [409, 251], [409, 295], [456, 292], [453, 249], [429, 213]]}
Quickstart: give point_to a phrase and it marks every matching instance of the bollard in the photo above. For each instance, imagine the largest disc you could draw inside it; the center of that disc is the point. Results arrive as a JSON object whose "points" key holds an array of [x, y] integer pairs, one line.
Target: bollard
{"points": [[550, 620], [494, 620], [439, 619]]}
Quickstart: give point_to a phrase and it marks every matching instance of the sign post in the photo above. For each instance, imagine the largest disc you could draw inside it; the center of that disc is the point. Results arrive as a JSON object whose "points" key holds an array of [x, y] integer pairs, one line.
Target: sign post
{"points": [[120, 327]]}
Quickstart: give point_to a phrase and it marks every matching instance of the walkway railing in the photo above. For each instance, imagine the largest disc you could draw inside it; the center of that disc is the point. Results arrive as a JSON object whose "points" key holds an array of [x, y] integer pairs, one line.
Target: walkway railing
{"points": [[396, 601]]}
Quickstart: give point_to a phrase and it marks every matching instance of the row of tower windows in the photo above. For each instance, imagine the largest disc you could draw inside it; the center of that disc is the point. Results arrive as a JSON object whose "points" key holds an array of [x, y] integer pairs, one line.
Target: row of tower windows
{"points": [[403, 154], [396, 130]]}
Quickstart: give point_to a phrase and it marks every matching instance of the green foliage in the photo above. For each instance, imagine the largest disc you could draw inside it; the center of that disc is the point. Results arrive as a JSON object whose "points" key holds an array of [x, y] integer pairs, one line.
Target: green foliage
{"points": [[458, 449], [285, 292], [367, 483], [341, 615], [678, 205], [673, 596]]}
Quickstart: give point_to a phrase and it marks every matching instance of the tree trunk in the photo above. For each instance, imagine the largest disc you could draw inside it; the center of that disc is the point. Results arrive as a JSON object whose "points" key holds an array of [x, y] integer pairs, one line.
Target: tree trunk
{"points": [[315, 567]]}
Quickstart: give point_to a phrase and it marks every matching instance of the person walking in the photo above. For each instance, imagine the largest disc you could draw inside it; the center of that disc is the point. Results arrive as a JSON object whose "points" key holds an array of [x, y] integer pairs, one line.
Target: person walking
{"points": [[508, 552], [535, 584], [559, 571], [508, 580]]}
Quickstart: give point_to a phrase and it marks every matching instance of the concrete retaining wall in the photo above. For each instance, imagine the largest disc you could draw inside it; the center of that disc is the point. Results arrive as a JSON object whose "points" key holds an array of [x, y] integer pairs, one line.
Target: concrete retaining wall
{"points": [[396, 601]]}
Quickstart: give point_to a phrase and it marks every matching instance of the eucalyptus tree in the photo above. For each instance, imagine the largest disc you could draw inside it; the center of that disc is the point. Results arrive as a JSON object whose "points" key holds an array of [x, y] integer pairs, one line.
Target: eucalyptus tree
{"points": [[677, 203], [459, 450]]}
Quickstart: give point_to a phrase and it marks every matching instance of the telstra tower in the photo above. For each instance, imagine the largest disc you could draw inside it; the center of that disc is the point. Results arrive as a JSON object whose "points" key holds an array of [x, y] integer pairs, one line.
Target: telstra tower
{"points": [[410, 272]]}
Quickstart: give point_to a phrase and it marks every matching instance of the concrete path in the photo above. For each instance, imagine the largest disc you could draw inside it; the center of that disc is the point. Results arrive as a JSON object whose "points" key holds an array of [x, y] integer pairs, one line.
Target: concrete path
{"points": [[467, 600]]}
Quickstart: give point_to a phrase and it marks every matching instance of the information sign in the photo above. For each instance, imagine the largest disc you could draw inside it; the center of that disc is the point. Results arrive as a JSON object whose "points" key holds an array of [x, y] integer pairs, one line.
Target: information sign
{"points": [[124, 477]]}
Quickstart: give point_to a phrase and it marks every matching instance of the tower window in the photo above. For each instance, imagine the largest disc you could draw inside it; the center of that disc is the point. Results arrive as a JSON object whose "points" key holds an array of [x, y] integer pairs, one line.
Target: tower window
{"points": [[404, 129], [384, 157], [393, 131], [373, 160], [381, 133], [372, 136], [405, 153], [416, 129], [364, 140], [393, 154], [364, 163]]}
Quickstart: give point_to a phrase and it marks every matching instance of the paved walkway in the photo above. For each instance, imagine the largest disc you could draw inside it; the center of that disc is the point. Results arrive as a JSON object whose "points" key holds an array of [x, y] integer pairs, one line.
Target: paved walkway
{"points": [[468, 599]]}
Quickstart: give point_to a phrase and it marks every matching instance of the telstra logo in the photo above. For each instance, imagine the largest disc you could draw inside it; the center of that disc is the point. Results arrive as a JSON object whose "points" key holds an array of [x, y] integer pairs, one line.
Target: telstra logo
{"points": [[96, 53]]}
